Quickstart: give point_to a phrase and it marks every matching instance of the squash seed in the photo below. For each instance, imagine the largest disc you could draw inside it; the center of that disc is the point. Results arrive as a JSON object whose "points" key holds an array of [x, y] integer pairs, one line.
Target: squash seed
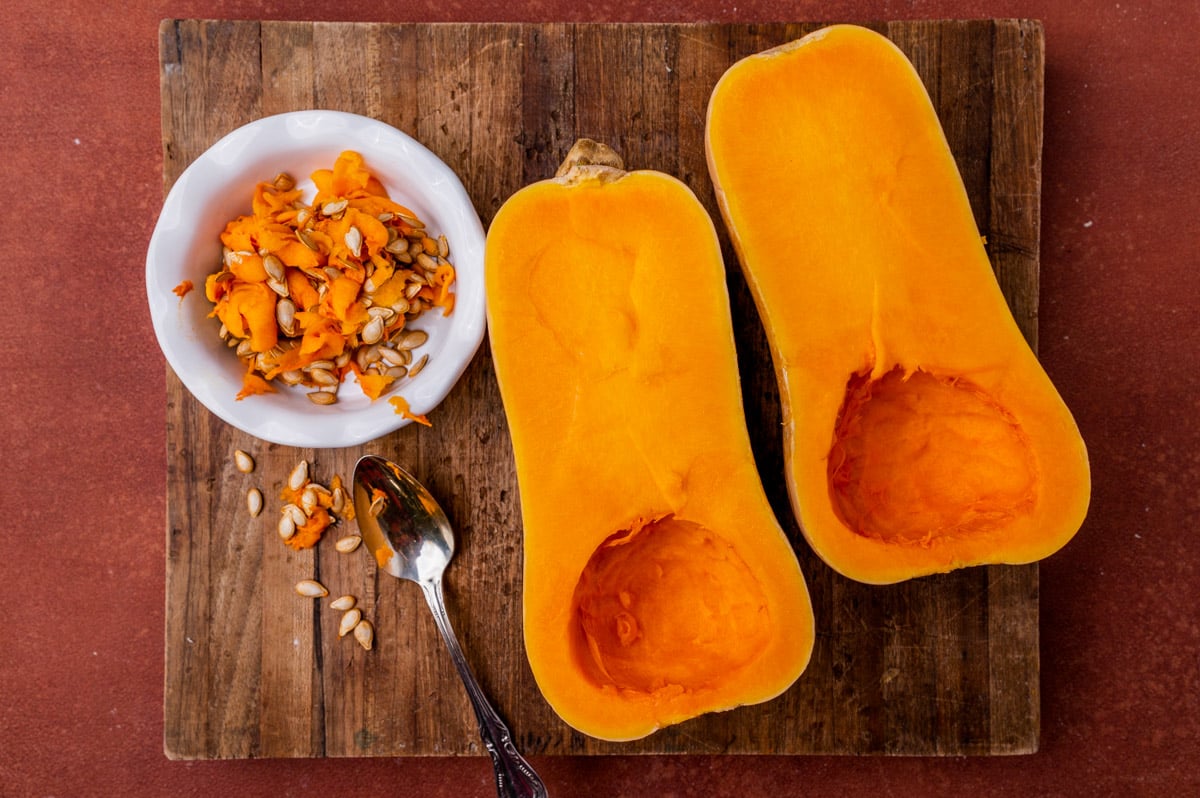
{"points": [[243, 461], [364, 633], [377, 506], [334, 207], [286, 527], [347, 544], [412, 339], [416, 367], [321, 397], [274, 267], [323, 377], [311, 588], [443, 247], [254, 502], [353, 240], [343, 603], [372, 331], [308, 501], [299, 475], [391, 356], [382, 312], [293, 511], [285, 315], [350, 620]]}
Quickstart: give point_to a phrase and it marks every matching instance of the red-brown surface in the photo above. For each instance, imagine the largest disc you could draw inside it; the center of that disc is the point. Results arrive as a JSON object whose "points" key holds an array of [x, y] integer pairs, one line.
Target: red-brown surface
{"points": [[82, 420]]}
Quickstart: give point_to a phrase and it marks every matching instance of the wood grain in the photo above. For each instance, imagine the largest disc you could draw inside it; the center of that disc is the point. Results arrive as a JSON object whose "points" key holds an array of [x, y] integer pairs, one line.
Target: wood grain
{"points": [[937, 666]]}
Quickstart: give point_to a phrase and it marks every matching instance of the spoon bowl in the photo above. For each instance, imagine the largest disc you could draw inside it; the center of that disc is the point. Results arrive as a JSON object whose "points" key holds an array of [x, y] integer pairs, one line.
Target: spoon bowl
{"points": [[410, 538], [401, 523]]}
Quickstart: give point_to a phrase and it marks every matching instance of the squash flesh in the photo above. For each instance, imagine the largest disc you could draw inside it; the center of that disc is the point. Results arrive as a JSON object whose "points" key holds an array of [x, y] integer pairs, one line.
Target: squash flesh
{"points": [[657, 583], [659, 606], [916, 458], [857, 239]]}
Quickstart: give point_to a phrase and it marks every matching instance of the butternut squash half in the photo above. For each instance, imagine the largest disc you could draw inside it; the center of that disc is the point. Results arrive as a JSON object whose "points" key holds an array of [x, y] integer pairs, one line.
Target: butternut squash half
{"points": [[921, 433], [658, 585]]}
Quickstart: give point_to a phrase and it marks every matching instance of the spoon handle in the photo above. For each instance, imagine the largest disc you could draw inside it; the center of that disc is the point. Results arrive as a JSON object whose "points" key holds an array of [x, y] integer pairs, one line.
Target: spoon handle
{"points": [[514, 776]]}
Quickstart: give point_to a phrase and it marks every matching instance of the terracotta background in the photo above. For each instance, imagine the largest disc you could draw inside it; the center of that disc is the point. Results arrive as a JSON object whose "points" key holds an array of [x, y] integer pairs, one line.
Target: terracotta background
{"points": [[82, 418]]}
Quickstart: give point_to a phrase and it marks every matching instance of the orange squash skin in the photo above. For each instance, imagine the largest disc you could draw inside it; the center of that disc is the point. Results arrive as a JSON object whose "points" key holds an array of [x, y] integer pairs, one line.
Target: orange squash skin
{"points": [[658, 585], [921, 433]]}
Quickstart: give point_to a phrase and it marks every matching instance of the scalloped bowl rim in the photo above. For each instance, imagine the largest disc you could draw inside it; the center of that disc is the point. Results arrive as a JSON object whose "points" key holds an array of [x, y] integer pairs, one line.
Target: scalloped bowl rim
{"points": [[218, 186]]}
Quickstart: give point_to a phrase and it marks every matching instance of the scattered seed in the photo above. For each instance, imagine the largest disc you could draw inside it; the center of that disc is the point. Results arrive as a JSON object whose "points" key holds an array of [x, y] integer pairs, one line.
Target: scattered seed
{"points": [[299, 475], [308, 500], [338, 501], [254, 502], [287, 527], [364, 633], [310, 588], [347, 544], [321, 397], [294, 512], [343, 603], [243, 461], [350, 620]]}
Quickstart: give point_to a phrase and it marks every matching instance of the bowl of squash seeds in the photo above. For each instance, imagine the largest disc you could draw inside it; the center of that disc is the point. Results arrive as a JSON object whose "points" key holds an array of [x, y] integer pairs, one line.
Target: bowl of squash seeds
{"points": [[315, 279]]}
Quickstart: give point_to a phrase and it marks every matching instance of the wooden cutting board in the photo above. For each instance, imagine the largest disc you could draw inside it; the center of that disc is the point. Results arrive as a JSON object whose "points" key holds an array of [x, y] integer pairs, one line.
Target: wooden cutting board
{"points": [[941, 665]]}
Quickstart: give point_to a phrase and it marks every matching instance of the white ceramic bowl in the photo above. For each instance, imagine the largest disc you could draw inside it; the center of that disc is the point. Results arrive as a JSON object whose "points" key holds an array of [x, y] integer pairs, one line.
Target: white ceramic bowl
{"points": [[218, 186]]}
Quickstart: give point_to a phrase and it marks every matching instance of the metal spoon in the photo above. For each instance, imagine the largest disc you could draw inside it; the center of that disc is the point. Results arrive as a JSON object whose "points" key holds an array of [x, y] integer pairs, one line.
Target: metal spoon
{"points": [[406, 530]]}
